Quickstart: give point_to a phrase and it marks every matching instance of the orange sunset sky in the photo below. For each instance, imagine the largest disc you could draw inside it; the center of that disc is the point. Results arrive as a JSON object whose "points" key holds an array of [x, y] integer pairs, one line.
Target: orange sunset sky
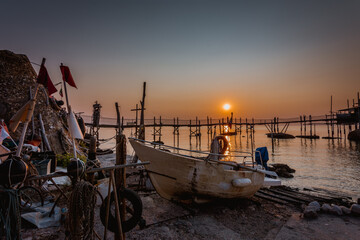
{"points": [[264, 58]]}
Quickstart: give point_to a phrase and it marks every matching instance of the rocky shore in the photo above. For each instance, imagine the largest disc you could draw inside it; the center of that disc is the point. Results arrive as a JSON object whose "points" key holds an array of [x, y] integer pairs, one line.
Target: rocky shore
{"points": [[254, 218]]}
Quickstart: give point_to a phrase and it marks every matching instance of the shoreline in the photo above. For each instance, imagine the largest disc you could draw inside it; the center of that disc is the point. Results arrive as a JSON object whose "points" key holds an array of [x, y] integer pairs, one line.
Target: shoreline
{"points": [[253, 218]]}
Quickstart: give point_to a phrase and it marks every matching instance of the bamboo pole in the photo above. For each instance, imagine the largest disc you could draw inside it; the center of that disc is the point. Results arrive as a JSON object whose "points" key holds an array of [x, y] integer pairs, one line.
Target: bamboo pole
{"points": [[120, 234], [107, 209], [43, 133], [30, 112]]}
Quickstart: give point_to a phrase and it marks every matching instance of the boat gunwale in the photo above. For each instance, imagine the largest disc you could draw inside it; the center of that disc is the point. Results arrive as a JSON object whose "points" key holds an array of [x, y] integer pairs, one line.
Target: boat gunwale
{"points": [[228, 163]]}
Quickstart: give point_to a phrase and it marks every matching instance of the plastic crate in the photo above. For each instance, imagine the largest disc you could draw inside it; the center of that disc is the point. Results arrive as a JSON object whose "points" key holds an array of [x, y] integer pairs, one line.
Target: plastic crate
{"points": [[42, 166]]}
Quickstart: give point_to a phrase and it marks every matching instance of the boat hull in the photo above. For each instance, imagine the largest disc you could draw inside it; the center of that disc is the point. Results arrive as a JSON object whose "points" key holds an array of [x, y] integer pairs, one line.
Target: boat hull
{"points": [[177, 177]]}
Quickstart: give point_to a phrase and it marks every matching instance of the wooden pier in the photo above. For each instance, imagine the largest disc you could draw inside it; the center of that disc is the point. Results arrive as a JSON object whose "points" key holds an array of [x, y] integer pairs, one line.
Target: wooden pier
{"points": [[336, 122]]}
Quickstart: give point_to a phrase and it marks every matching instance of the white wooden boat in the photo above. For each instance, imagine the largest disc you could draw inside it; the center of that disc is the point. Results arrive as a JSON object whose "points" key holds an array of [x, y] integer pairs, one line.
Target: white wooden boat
{"points": [[177, 176]]}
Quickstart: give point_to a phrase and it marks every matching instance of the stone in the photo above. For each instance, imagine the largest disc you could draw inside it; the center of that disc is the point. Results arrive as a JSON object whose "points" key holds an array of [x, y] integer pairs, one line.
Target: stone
{"points": [[325, 207], [336, 210], [316, 205], [345, 210], [310, 212], [355, 209]]}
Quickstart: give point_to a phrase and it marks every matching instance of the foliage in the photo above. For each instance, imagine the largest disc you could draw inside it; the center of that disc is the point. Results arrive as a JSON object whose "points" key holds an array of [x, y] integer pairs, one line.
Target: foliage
{"points": [[64, 159]]}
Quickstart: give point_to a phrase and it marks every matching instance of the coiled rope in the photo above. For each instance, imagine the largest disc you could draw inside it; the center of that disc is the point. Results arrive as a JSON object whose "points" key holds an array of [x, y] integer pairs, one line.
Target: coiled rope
{"points": [[80, 224], [10, 213]]}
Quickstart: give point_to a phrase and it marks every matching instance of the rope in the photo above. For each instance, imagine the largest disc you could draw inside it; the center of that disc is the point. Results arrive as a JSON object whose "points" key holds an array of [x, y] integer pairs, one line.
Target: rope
{"points": [[10, 217], [81, 206], [107, 139]]}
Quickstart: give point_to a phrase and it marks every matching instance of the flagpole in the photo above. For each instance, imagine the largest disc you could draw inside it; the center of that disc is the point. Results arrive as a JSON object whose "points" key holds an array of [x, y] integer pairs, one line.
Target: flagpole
{"points": [[66, 94], [28, 117], [69, 110]]}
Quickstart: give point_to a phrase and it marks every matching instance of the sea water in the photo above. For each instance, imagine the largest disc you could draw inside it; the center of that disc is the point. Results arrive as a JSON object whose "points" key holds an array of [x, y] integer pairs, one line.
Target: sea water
{"points": [[319, 163]]}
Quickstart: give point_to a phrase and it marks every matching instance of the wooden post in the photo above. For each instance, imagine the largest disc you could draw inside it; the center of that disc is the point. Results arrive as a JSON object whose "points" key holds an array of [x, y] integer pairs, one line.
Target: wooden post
{"points": [[117, 118], [304, 118], [190, 132], [272, 137], [119, 216], [199, 134], [91, 158], [358, 96], [240, 126], [66, 94], [178, 132], [301, 132], [253, 127], [310, 125], [32, 117], [142, 121], [154, 129], [120, 174]]}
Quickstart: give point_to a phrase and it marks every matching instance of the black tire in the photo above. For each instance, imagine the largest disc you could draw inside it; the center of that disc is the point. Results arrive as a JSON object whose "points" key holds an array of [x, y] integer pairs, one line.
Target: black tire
{"points": [[135, 211]]}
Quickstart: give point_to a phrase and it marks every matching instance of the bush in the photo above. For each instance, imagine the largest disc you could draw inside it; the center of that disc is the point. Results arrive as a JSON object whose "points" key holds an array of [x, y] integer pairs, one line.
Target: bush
{"points": [[64, 159]]}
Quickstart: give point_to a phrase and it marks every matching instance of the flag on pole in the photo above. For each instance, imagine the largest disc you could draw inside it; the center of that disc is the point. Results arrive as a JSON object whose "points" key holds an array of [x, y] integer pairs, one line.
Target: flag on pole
{"points": [[74, 126], [67, 76], [24, 114], [3, 125], [44, 79], [3, 134], [3, 150]]}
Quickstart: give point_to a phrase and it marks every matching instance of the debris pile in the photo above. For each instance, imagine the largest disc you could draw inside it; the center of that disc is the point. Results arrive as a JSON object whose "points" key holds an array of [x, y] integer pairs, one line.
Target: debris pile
{"points": [[17, 80]]}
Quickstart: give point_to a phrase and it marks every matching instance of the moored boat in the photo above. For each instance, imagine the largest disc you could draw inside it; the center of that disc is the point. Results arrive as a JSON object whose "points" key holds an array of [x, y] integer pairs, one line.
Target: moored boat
{"points": [[198, 175]]}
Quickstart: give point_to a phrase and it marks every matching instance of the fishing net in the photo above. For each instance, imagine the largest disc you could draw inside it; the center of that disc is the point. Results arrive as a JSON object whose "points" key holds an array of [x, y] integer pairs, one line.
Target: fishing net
{"points": [[80, 224]]}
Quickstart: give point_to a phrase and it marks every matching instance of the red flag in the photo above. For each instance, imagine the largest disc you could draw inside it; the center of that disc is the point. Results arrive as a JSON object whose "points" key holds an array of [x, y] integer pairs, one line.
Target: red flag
{"points": [[44, 79], [67, 76]]}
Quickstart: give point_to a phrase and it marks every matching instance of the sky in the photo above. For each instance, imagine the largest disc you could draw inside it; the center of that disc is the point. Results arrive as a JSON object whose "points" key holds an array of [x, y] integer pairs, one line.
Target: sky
{"points": [[264, 58]]}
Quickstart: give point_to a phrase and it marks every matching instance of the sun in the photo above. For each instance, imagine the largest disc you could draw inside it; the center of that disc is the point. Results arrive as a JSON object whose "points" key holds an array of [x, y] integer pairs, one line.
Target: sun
{"points": [[226, 106]]}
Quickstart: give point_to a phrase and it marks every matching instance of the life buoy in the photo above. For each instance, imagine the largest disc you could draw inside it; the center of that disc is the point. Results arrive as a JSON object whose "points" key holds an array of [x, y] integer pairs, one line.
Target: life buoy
{"points": [[135, 211], [222, 142]]}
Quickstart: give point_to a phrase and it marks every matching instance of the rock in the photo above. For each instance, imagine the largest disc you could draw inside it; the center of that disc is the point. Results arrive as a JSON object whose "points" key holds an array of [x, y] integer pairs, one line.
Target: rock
{"points": [[345, 210], [325, 207], [148, 202], [284, 166], [282, 170], [355, 209], [310, 212], [316, 205], [336, 210]]}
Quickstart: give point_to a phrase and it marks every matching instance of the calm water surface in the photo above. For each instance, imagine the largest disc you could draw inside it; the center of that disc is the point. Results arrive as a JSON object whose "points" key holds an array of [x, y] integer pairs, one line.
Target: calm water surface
{"points": [[320, 163]]}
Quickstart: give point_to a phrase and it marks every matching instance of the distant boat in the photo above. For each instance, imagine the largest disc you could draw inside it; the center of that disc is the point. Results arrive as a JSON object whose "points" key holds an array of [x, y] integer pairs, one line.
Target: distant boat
{"points": [[308, 136], [354, 135], [280, 135], [181, 177]]}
